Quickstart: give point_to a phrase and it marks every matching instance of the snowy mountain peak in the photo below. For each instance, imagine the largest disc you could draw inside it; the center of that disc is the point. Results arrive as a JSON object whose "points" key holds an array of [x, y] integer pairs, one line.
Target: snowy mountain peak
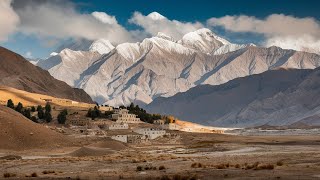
{"points": [[53, 54], [156, 16], [101, 46], [166, 37], [203, 40]]}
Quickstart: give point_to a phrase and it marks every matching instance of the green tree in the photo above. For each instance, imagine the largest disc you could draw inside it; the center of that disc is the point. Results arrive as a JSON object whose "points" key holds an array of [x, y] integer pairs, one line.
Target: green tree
{"points": [[39, 107], [48, 108], [27, 113], [33, 109], [62, 117], [19, 107], [47, 113], [47, 117], [89, 112], [40, 113], [97, 110], [10, 104]]}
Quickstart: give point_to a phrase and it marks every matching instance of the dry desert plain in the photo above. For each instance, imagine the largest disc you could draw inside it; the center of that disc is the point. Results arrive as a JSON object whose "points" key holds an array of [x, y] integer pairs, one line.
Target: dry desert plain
{"points": [[50, 151], [194, 156]]}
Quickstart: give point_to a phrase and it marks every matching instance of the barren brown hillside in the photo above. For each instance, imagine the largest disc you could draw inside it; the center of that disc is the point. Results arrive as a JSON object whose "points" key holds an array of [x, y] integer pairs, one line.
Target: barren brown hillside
{"points": [[20, 133], [19, 73]]}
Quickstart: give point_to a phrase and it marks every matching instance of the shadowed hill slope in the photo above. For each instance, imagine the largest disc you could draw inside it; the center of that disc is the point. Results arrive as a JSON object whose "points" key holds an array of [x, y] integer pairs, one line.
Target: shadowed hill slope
{"points": [[277, 97], [19, 73]]}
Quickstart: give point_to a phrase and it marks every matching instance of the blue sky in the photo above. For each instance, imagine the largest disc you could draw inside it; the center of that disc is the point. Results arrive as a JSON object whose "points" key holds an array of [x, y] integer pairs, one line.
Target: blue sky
{"points": [[39, 43]]}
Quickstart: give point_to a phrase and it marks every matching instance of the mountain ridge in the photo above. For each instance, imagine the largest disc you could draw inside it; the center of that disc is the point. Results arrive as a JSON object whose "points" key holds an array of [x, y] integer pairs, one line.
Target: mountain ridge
{"points": [[278, 98], [161, 66]]}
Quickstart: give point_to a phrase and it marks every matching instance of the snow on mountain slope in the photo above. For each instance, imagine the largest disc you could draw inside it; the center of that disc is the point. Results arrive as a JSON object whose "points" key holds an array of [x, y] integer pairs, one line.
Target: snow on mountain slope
{"points": [[161, 67], [166, 37], [230, 48], [101, 46], [255, 60], [203, 40], [140, 72], [68, 65]]}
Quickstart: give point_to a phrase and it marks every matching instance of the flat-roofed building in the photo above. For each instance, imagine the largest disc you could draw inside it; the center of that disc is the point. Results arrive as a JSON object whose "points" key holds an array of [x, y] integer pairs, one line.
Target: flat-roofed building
{"points": [[151, 133], [123, 116], [117, 126]]}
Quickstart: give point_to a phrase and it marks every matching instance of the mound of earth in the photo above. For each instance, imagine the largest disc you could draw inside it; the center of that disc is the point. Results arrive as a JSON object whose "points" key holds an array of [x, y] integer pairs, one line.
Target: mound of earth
{"points": [[90, 151], [20, 133], [110, 144], [17, 72]]}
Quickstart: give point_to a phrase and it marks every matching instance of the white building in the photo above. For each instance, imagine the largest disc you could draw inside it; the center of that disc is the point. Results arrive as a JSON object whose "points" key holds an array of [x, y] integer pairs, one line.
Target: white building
{"points": [[129, 138], [123, 116], [151, 133], [115, 126]]}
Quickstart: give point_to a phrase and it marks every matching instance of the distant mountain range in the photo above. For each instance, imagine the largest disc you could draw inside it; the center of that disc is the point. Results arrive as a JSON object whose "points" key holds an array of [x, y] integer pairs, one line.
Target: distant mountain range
{"points": [[17, 72], [162, 66], [277, 98]]}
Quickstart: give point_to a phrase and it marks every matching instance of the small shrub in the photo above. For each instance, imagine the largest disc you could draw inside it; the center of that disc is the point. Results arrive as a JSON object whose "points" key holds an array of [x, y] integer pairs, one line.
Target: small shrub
{"points": [[270, 166], [197, 165], [48, 172], [221, 166], [139, 168], [279, 163], [161, 168], [194, 165], [7, 175], [237, 166], [267, 167], [34, 174]]}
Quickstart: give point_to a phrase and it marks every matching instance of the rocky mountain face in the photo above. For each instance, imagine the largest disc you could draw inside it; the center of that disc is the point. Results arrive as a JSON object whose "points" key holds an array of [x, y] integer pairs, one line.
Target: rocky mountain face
{"points": [[278, 97], [17, 72], [162, 66]]}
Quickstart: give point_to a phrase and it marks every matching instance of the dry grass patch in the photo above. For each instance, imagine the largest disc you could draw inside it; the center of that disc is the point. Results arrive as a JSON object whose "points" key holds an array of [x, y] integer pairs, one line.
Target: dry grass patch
{"points": [[197, 165], [8, 175], [265, 167], [280, 163], [48, 172]]}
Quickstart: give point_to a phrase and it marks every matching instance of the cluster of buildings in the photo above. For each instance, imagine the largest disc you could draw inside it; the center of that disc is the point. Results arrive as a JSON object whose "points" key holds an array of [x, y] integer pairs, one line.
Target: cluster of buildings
{"points": [[120, 121]]}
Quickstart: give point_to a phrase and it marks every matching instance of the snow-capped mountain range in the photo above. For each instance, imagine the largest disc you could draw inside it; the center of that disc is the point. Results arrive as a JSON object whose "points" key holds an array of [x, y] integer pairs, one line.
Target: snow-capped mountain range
{"points": [[161, 66]]}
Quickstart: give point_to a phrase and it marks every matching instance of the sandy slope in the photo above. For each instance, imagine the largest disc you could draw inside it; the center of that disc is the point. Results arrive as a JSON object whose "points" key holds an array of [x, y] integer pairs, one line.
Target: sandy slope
{"points": [[33, 99], [20, 133]]}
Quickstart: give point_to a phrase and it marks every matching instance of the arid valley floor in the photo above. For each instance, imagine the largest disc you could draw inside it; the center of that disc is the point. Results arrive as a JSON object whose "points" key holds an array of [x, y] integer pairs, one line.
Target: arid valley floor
{"points": [[195, 155]]}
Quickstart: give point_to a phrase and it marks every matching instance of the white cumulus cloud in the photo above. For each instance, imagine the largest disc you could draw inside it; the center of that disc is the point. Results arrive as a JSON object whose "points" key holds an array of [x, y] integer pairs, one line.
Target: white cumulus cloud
{"points": [[8, 19], [55, 20], [280, 30], [105, 18], [155, 22]]}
